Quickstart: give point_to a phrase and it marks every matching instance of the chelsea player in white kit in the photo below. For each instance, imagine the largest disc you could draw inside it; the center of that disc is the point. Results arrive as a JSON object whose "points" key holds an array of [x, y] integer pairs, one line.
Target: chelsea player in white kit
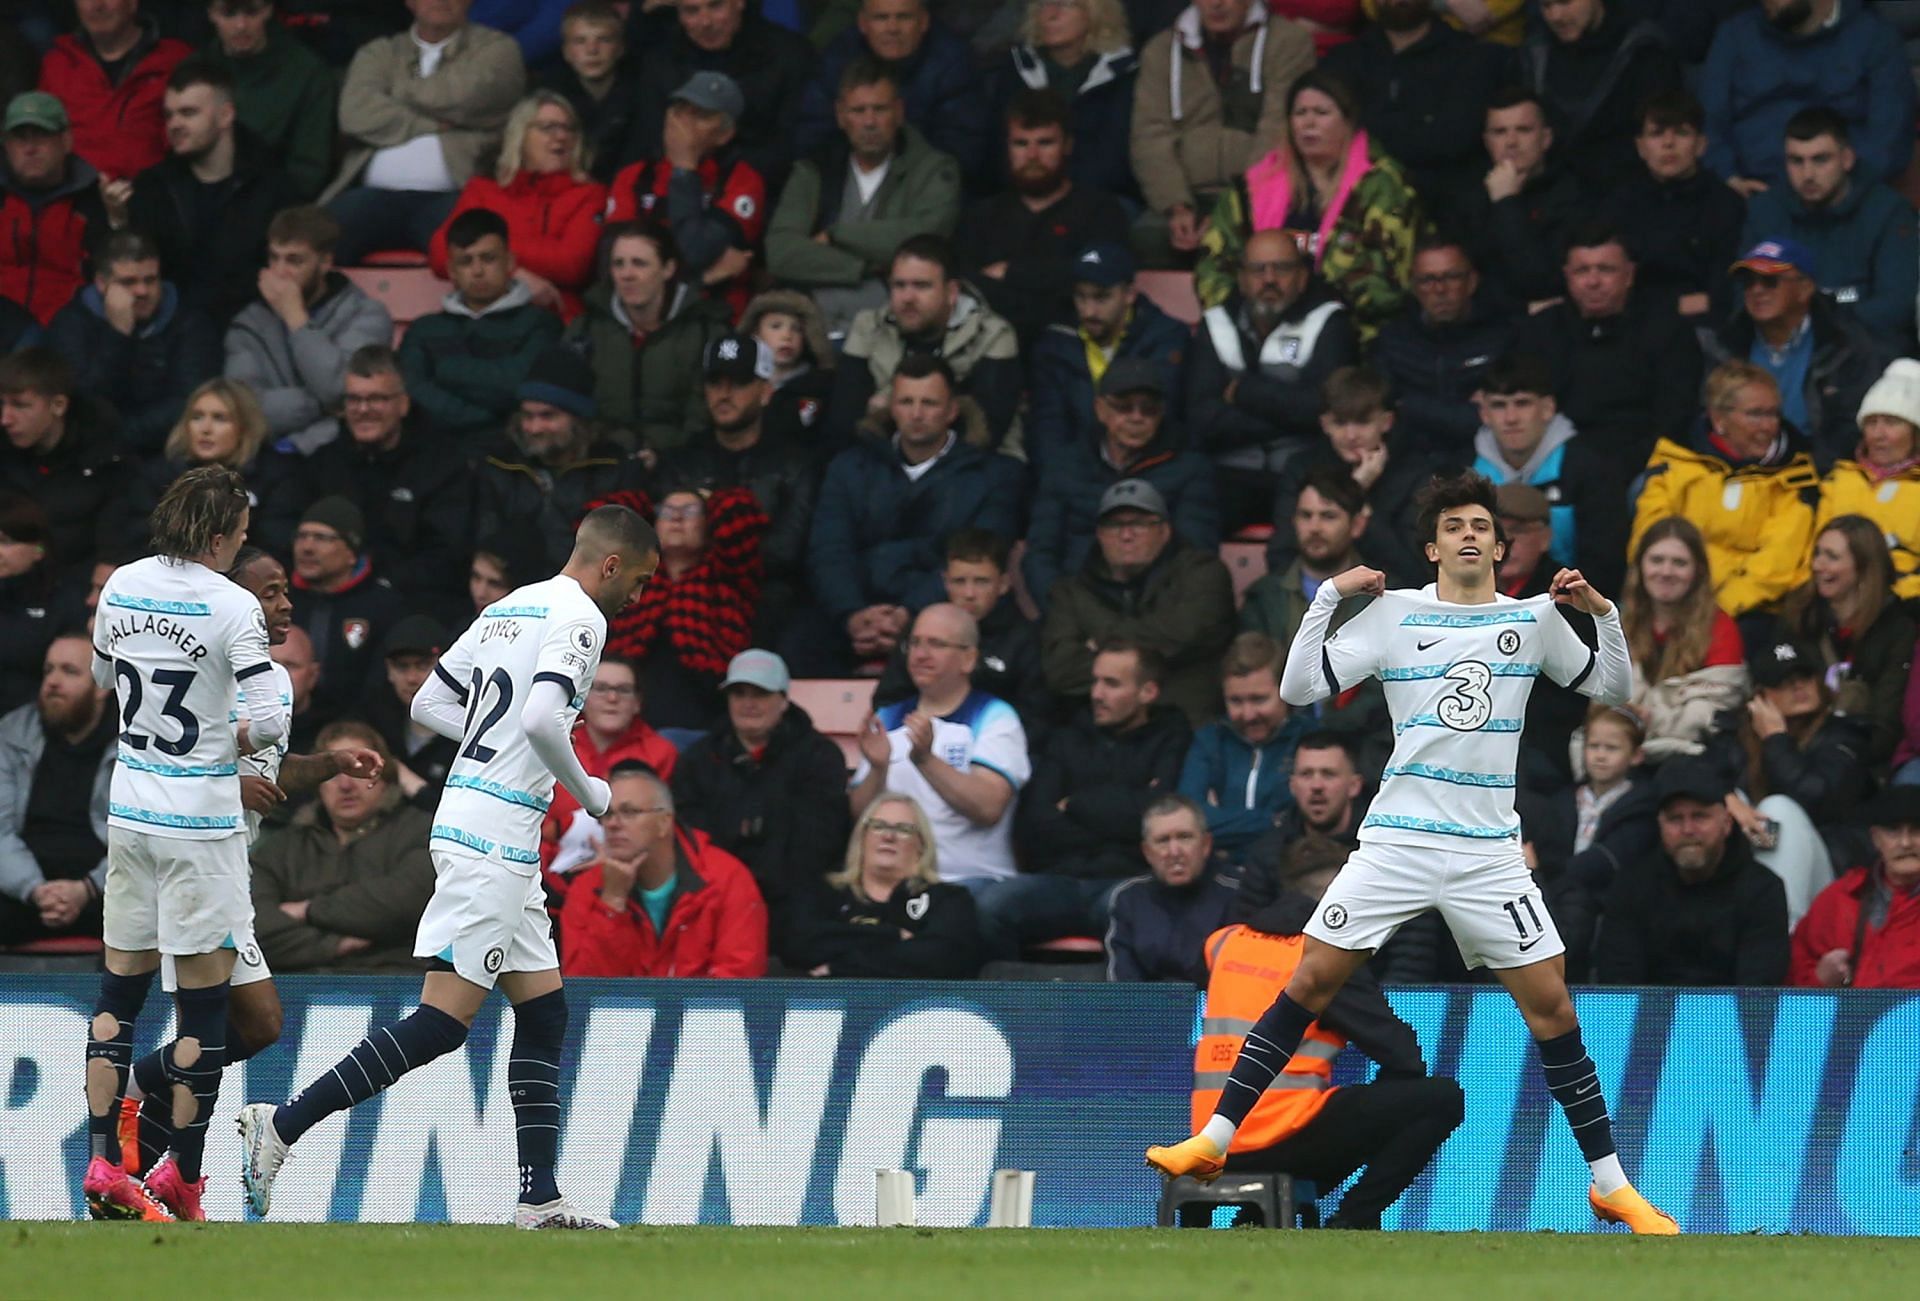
{"points": [[173, 636], [1457, 661], [508, 690]]}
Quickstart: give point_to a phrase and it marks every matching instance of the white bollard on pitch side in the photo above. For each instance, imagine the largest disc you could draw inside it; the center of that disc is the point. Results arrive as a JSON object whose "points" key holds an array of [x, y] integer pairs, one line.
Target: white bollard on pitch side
{"points": [[1012, 1204], [893, 1198]]}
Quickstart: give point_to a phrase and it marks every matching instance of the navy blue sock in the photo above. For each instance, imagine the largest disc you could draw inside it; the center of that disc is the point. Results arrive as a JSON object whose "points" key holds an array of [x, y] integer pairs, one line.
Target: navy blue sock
{"points": [[1575, 1085], [533, 1080], [203, 1019], [1269, 1046], [121, 998], [156, 1107], [374, 1064]]}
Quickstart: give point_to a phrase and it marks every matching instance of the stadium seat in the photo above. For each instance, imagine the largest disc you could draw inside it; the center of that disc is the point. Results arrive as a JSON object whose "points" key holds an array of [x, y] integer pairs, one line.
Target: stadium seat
{"points": [[1247, 562], [1068, 948], [1254, 533], [396, 257], [408, 293], [60, 946], [837, 707], [1172, 292]]}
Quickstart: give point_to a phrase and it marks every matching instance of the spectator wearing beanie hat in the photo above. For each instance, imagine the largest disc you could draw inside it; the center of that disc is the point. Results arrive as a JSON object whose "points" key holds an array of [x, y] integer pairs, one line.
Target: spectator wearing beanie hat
{"points": [[553, 461], [1881, 480], [340, 603]]}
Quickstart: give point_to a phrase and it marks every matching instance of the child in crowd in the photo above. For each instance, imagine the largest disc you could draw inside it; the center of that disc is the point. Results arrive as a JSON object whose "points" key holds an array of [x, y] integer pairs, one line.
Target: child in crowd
{"points": [[598, 80], [1577, 837], [791, 326]]}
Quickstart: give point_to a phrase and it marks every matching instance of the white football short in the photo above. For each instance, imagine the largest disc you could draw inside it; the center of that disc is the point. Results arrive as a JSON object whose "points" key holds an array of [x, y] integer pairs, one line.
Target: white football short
{"points": [[249, 964], [1487, 897], [485, 918], [178, 896]]}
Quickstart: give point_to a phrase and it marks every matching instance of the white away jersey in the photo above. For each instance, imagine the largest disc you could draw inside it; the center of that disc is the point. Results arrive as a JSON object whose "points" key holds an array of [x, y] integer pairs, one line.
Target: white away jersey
{"points": [[180, 638], [497, 790], [265, 763], [1457, 678], [984, 730]]}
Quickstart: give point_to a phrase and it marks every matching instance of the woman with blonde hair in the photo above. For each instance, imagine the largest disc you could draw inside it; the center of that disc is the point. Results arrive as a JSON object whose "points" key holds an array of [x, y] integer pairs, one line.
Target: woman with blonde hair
{"points": [[222, 424], [1689, 664], [552, 207], [886, 913], [1082, 52], [1848, 613]]}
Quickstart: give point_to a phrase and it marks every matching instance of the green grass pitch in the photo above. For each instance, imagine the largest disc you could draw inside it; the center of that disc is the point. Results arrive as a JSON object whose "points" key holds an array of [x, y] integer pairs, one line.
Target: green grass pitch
{"points": [[497, 1264]]}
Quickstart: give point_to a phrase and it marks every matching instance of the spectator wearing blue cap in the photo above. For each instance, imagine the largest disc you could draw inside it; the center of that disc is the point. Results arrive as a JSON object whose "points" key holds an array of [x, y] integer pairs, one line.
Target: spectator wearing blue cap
{"points": [[1781, 56], [553, 461], [1859, 230], [1112, 321], [1018, 246], [1823, 359]]}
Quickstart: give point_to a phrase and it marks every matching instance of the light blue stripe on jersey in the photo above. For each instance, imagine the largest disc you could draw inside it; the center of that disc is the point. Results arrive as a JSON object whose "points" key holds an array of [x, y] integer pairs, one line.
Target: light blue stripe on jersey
{"points": [[1422, 672], [1404, 823], [158, 607], [1454, 776], [507, 793], [514, 612], [443, 832], [1429, 720], [1480, 620], [177, 770], [189, 821]]}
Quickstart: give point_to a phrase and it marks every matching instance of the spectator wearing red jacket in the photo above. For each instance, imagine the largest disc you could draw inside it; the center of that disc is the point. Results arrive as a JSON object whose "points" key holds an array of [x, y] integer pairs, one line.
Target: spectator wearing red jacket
{"points": [[112, 75], [702, 188], [50, 208], [551, 204], [1863, 930], [610, 732], [661, 900]]}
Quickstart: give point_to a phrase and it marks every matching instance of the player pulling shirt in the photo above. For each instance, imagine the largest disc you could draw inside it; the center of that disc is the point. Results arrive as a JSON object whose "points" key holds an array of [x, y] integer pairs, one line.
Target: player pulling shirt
{"points": [[486, 832], [1457, 679]]}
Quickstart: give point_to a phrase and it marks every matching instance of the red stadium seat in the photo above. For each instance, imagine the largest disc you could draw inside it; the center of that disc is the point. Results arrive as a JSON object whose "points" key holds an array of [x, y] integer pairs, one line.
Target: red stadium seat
{"points": [[1172, 292], [837, 706], [59, 946], [409, 293], [1068, 948], [1247, 562], [396, 257]]}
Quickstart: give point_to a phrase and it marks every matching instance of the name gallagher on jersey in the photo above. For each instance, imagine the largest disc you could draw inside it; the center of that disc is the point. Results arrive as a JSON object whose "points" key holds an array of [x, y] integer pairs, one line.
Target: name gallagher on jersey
{"points": [[159, 625]]}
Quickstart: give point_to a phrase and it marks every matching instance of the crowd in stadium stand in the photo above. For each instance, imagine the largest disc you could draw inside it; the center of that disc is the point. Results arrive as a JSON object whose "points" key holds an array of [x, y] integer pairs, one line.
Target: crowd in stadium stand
{"points": [[955, 351]]}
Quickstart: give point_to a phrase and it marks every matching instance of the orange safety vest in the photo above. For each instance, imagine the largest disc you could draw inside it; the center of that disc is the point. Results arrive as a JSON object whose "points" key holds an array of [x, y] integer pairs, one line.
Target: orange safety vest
{"points": [[1250, 968]]}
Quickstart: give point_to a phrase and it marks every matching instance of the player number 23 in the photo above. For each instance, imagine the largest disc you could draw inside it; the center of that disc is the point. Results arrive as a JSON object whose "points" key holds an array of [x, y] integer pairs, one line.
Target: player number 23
{"points": [[1468, 706]]}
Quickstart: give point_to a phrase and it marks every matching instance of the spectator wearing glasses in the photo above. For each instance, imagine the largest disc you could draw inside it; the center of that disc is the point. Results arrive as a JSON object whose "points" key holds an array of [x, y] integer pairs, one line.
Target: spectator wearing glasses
{"points": [[1822, 359], [958, 751], [1863, 931], [1436, 352], [886, 914], [660, 899], [551, 205], [610, 732]]}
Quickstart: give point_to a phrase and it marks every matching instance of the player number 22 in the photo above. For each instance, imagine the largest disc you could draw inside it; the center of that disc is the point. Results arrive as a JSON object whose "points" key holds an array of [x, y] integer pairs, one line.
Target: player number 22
{"points": [[1469, 705], [502, 685]]}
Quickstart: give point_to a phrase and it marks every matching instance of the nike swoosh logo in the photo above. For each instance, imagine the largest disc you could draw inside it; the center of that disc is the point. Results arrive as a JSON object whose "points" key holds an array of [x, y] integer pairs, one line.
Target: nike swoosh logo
{"points": [[1530, 943], [1425, 644]]}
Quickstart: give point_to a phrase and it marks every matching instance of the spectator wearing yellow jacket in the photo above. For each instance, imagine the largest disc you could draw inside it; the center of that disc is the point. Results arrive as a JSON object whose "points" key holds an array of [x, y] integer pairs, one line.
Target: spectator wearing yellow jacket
{"points": [[1747, 483], [1882, 478]]}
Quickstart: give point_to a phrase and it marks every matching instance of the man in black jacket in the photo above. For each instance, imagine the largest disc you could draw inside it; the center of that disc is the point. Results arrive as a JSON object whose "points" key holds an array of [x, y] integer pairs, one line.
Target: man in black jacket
{"points": [[1595, 65], [1421, 85], [767, 787], [209, 202], [61, 450], [340, 603], [739, 449], [1700, 910], [1326, 786], [1626, 369], [1160, 922], [1435, 354], [412, 486], [132, 341], [770, 64], [1019, 245], [1517, 217], [1079, 821], [978, 581]]}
